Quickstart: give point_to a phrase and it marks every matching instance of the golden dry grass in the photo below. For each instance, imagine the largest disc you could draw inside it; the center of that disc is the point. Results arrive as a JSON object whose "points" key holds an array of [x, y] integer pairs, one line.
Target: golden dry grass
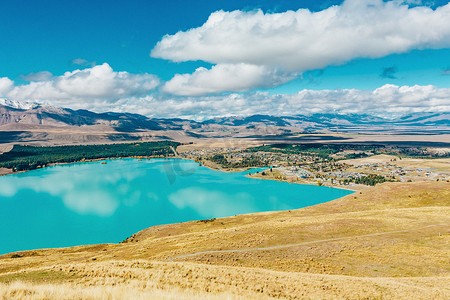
{"points": [[131, 290], [389, 241], [440, 164], [141, 279]]}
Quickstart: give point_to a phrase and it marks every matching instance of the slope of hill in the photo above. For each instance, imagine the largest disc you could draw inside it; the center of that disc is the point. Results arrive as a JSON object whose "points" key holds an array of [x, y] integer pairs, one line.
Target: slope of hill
{"points": [[57, 116], [389, 241]]}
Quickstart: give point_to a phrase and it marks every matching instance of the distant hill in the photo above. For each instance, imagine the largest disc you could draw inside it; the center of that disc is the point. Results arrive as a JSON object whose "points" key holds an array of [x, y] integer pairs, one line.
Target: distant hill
{"points": [[17, 113], [337, 121], [21, 118]]}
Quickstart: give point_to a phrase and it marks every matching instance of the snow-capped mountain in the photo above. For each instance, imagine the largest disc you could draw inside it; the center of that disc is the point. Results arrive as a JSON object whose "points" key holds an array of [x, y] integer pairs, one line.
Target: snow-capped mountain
{"points": [[18, 104]]}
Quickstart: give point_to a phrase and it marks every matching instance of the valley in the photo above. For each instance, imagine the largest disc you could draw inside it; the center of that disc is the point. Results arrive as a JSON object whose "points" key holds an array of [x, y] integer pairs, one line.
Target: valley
{"points": [[388, 239]]}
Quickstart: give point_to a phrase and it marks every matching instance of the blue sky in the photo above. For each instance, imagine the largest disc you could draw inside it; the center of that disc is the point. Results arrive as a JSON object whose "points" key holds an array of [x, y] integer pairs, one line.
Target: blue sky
{"points": [[47, 35], [42, 40]]}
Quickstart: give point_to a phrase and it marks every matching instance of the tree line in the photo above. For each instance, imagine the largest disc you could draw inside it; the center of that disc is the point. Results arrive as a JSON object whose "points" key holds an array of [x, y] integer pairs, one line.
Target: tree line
{"points": [[247, 162], [22, 158], [367, 180]]}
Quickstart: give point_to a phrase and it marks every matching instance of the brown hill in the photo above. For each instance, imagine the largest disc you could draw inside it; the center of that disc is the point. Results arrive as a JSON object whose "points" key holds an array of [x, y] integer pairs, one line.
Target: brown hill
{"points": [[49, 125]]}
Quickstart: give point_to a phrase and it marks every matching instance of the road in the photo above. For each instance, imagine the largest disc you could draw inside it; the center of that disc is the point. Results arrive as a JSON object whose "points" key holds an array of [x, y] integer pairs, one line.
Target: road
{"points": [[299, 244]]}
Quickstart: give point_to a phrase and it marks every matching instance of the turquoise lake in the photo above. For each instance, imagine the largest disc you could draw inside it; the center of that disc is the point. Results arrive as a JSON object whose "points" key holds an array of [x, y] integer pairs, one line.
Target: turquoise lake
{"points": [[91, 203]]}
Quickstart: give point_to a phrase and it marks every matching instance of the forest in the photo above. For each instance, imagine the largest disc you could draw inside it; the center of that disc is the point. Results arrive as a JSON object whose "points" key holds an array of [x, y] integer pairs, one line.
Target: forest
{"points": [[247, 162], [320, 150], [22, 158], [367, 180]]}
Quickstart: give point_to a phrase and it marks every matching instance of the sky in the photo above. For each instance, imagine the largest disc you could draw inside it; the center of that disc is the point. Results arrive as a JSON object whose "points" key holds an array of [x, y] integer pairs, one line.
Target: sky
{"points": [[208, 58]]}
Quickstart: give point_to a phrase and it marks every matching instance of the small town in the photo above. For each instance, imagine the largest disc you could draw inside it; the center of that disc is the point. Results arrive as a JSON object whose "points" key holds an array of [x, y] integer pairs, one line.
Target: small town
{"points": [[310, 168]]}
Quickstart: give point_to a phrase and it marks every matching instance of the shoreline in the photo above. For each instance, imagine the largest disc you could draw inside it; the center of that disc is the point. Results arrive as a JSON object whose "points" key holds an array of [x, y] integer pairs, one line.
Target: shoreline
{"points": [[251, 168], [134, 160], [76, 162], [304, 183], [183, 158]]}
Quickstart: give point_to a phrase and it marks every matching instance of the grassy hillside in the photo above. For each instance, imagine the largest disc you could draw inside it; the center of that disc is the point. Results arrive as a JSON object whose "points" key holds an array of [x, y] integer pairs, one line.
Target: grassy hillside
{"points": [[388, 241]]}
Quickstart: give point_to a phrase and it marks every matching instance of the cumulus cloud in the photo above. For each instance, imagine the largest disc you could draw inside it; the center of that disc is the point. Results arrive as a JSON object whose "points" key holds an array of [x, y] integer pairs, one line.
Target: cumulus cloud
{"points": [[101, 89], [225, 78], [297, 41], [386, 100], [99, 84], [6, 85], [39, 76], [303, 40]]}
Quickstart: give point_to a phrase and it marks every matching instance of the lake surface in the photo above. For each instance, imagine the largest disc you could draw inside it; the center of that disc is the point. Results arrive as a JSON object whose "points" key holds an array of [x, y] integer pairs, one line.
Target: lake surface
{"points": [[90, 203]]}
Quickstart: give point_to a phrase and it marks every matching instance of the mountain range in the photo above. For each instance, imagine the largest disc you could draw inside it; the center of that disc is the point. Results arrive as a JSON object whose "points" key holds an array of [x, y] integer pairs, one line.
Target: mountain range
{"points": [[25, 121]]}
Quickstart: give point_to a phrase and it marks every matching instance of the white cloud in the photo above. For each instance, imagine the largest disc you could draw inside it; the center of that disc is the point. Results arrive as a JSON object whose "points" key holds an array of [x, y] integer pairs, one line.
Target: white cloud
{"points": [[6, 85], [101, 89], [302, 40], [83, 62], [386, 100], [39, 76], [225, 78], [99, 84]]}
